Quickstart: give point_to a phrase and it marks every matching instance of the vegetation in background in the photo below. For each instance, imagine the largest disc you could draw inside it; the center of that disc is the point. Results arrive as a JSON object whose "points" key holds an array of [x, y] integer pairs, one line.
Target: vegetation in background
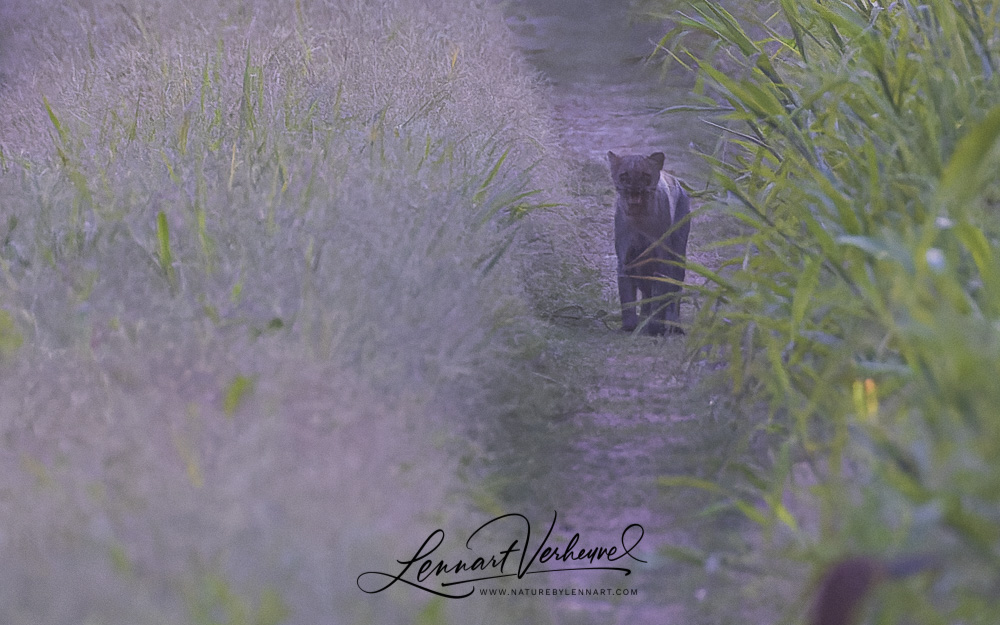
{"points": [[254, 258], [863, 143]]}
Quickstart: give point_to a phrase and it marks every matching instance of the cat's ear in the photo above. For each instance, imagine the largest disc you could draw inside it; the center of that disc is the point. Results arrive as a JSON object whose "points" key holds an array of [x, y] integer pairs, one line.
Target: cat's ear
{"points": [[656, 160], [614, 161]]}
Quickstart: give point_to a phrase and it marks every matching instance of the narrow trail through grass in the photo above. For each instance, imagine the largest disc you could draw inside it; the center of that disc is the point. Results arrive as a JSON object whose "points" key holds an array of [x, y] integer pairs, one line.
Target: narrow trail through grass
{"points": [[645, 408]]}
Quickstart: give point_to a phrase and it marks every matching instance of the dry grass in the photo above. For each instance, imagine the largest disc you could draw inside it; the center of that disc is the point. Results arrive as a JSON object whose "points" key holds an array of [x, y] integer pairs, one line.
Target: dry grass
{"points": [[251, 269]]}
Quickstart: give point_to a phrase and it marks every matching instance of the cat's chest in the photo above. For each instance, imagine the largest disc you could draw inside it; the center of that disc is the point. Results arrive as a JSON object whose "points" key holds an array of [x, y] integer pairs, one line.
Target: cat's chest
{"points": [[642, 229]]}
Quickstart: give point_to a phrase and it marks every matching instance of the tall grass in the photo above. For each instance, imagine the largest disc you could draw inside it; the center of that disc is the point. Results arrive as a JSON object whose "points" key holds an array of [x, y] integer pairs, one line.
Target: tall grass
{"points": [[862, 146], [257, 258]]}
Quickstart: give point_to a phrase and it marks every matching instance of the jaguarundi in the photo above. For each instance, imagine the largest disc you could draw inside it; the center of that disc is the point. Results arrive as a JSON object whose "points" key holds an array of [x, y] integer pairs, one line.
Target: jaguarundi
{"points": [[650, 203]]}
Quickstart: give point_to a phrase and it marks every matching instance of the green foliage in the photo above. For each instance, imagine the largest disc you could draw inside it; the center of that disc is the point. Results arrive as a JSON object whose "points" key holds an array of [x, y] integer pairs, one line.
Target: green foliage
{"points": [[10, 338], [212, 601], [164, 254], [236, 392], [433, 613], [861, 151]]}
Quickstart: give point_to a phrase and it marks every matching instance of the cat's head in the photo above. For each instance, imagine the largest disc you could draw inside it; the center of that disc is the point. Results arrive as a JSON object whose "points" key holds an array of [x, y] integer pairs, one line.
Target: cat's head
{"points": [[636, 178]]}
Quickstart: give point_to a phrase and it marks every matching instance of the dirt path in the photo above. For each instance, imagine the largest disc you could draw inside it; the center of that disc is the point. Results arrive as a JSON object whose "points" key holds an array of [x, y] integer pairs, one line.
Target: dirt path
{"points": [[645, 411]]}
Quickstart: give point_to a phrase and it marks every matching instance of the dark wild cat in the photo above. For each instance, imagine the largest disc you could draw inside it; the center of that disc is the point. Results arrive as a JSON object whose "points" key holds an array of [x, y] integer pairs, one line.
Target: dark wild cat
{"points": [[650, 201]]}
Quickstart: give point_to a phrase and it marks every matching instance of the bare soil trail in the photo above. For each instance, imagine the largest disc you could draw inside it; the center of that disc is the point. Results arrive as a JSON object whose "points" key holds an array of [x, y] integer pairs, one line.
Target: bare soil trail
{"points": [[645, 411]]}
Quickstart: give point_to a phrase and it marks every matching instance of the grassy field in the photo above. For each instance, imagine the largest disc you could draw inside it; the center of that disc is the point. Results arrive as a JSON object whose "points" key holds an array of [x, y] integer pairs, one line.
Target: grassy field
{"points": [[256, 260]]}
